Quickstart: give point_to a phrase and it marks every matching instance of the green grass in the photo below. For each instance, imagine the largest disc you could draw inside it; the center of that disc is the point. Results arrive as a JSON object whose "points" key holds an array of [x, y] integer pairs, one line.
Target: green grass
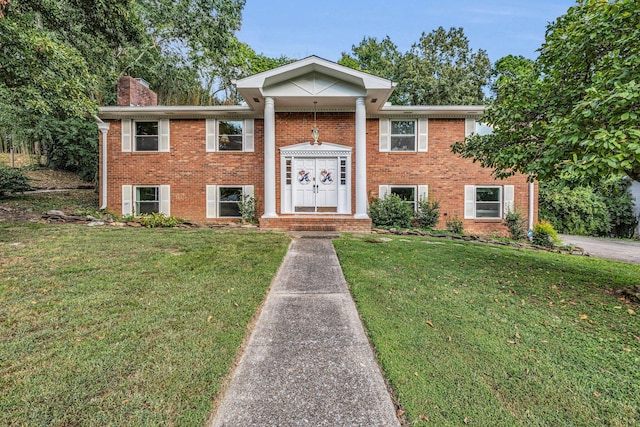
{"points": [[79, 202], [124, 326], [487, 335]]}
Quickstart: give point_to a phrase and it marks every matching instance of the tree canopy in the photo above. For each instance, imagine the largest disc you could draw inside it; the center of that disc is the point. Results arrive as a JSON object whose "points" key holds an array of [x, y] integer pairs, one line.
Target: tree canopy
{"points": [[440, 69], [575, 110]]}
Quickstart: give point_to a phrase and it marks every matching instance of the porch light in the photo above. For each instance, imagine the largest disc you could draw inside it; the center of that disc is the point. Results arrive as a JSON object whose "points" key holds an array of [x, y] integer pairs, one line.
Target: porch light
{"points": [[314, 130]]}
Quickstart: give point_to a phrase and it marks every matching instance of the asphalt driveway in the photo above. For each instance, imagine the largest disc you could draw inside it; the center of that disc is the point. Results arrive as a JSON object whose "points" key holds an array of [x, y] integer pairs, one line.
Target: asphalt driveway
{"points": [[621, 250]]}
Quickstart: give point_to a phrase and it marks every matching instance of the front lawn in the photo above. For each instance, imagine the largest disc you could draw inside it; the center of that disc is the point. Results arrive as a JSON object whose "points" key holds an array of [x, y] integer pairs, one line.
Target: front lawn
{"points": [[108, 326], [477, 334]]}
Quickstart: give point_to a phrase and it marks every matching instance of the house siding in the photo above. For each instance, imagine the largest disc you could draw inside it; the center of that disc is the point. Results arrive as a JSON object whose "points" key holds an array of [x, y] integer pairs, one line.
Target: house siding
{"points": [[188, 168]]}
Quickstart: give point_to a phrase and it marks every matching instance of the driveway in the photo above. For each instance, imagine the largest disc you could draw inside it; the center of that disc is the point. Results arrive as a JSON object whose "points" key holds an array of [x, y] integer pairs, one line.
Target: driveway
{"points": [[621, 250]]}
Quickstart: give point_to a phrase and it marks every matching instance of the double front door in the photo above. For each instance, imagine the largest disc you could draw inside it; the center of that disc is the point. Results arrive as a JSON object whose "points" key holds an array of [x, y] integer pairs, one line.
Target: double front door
{"points": [[315, 185]]}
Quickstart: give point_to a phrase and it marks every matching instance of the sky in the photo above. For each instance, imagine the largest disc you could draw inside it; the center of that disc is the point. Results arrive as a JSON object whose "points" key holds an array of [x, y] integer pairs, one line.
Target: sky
{"points": [[326, 28]]}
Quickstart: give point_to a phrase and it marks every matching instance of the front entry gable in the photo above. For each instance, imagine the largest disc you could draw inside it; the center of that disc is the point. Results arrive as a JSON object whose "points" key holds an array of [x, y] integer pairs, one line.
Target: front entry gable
{"points": [[314, 84]]}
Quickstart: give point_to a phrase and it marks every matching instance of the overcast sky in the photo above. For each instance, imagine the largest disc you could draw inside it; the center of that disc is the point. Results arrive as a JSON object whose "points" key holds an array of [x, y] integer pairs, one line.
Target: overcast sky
{"points": [[326, 28]]}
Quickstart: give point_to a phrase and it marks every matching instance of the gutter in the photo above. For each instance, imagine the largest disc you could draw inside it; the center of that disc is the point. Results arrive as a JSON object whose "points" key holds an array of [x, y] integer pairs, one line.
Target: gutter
{"points": [[104, 130], [531, 203]]}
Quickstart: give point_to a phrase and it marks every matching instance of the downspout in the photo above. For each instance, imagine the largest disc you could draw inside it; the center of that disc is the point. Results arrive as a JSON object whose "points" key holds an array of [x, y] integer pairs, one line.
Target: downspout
{"points": [[531, 203], [104, 129]]}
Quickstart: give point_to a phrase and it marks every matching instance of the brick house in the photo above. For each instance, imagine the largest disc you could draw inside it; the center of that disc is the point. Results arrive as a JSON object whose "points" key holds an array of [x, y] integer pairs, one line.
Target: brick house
{"points": [[314, 142]]}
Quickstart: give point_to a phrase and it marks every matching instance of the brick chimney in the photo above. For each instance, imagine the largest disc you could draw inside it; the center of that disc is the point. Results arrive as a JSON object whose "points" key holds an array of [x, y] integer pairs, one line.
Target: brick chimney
{"points": [[135, 93]]}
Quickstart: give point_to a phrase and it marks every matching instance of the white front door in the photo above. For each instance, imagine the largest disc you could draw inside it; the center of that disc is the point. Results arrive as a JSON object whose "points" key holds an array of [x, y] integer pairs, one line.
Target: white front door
{"points": [[315, 185]]}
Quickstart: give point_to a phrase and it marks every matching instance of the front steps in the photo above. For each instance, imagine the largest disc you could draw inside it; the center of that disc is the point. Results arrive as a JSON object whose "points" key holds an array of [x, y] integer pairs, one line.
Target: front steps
{"points": [[313, 223]]}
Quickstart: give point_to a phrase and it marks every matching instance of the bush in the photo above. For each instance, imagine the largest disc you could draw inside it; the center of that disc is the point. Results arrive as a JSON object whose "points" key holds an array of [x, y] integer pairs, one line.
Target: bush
{"points": [[390, 211], [455, 225], [574, 210], [12, 180], [545, 235], [516, 224], [428, 213], [248, 209], [155, 220], [619, 202]]}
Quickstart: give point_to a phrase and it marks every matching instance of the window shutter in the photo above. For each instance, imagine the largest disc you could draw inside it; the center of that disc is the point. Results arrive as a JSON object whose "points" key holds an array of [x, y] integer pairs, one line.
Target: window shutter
{"points": [[247, 190], [469, 201], [383, 191], [423, 135], [469, 126], [211, 126], [212, 204], [385, 135], [509, 197], [163, 130], [247, 129], [126, 135], [127, 204], [423, 192], [165, 200]]}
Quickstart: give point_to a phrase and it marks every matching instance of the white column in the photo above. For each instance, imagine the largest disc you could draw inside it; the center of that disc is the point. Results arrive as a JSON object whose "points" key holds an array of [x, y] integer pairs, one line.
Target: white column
{"points": [[361, 160], [269, 159], [104, 130]]}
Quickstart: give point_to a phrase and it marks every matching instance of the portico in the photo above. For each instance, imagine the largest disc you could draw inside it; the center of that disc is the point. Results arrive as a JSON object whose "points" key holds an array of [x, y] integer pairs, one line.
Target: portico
{"points": [[315, 176]]}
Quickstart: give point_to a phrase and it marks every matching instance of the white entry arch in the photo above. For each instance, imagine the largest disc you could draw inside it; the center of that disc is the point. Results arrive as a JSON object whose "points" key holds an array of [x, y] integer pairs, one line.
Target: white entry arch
{"points": [[315, 179]]}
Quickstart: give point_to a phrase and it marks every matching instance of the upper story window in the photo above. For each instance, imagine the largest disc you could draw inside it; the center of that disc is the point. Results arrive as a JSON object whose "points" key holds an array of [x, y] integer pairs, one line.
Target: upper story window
{"points": [[403, 135], [230, 135], [146, 136]]}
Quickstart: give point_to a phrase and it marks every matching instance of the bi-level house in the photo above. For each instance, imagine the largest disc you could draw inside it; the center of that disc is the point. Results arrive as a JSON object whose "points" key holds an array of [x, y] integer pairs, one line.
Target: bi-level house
{"points": [[313, 142]]}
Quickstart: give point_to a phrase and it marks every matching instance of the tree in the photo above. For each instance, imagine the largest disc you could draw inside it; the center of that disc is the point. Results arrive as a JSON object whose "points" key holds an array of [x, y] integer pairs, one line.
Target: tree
{"points": [[575, 110], [439, 69]]}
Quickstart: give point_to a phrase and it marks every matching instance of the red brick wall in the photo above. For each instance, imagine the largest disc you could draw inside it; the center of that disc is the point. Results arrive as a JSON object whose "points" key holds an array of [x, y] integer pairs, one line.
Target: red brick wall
{"points": [[133, 93], [188, 168], [445, 173]]}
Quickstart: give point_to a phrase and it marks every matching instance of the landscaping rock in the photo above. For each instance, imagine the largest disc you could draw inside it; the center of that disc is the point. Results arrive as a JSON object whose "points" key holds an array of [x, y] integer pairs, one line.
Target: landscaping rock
{"points": [[95, 223]]}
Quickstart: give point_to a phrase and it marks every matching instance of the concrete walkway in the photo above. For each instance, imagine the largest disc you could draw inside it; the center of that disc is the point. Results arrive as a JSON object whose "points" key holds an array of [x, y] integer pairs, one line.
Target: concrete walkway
{"points": [[620, 250], [308, 361]]}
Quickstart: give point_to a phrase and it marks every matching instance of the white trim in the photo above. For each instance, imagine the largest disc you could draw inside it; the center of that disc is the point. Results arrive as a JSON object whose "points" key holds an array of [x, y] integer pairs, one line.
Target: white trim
{"points": [[384, 135], [211, 127], [248, 136], [212, 201], [423, 135], [383, 191], [423, 192], [165, 200], [508, 199], [469, 201], [163, 136], [127, 199], [125, 131], [469, 126]]}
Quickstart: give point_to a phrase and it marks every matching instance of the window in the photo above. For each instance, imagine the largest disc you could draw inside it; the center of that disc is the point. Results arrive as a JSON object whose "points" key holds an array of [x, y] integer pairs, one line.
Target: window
{"points": [[146, 136], [403, 135], [229, 201], [408, 194], [488, 202], [230, 135], [147, 200]]}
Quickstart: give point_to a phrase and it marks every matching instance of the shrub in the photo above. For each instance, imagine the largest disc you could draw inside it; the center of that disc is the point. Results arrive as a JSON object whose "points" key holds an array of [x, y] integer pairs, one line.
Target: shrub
{"points": [[155, 220], [516, 224], [428, 213], [12, 180], [455, 225], [390, 211], [248, 209], [619, 202], [574, 210], [545, 235]]}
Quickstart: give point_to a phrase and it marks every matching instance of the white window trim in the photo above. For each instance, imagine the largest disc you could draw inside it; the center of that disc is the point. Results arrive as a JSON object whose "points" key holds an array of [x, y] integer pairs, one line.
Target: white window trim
{"points": [[506, 202], [420, 192], [129, 198], [248, 135], [213, 198], [129, 138], [421, 135]]}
